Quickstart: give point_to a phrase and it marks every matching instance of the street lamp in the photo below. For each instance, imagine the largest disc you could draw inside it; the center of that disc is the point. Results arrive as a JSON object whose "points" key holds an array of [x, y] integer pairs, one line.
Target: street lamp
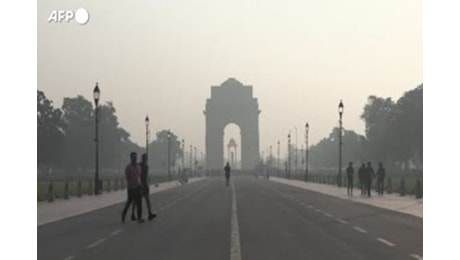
{"points": [[296, 158], [194, 158], [271, 156], [169, 155], [307, 127], [96, 95], [191, 159], [147, 132], [183, 154], [289, 157], [202, 156], [278, 159], [340, 143]]}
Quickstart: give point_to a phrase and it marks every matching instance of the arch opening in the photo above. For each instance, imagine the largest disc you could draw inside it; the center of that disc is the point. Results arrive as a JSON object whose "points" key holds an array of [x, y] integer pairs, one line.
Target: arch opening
{"points": [[232, 145]]}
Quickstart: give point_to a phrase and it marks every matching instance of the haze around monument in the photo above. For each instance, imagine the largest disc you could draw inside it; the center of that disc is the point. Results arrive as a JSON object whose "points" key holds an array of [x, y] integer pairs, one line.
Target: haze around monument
{"points": [[161, 57]]}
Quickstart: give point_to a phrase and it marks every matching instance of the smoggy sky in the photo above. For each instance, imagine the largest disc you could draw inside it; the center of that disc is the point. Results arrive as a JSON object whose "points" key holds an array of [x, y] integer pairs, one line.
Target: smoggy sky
{"points": [[160, 57]]}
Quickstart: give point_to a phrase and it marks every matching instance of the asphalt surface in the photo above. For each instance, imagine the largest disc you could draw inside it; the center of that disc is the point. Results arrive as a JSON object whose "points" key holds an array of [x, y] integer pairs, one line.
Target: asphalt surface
{"points": [[274, 221]]}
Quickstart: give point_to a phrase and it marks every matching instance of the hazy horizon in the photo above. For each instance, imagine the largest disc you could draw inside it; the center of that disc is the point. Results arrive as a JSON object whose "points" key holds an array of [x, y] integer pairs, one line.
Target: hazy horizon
{"points": [[161, 57]]}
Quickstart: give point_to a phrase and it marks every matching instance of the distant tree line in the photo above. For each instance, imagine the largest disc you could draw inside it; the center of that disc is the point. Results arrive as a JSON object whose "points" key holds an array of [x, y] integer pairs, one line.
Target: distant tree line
{"points": [[393, 135], [66, 139]]}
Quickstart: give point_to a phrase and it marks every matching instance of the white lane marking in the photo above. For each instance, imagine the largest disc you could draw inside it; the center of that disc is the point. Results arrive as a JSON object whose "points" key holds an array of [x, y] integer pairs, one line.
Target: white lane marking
{"points": [[415, 256], [235, 249], [341, 221], [318, 210], [360, 229], [69, 257], [327, 215], [114, 233], [100, 241], [310, 207], [384, 241]]}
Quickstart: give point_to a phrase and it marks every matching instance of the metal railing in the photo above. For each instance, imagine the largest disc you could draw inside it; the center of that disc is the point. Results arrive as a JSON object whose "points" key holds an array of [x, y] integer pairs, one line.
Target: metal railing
{"points": [[403, 184], [50, 188]]}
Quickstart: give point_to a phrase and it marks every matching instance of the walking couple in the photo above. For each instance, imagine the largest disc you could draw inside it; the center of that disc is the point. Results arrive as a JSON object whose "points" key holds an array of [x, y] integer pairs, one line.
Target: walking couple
{"points": [[138, 188]]}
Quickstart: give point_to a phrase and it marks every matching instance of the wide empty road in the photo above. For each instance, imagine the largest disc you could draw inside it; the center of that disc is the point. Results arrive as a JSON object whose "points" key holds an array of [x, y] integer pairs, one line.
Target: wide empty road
{"points": [[251, 219]]}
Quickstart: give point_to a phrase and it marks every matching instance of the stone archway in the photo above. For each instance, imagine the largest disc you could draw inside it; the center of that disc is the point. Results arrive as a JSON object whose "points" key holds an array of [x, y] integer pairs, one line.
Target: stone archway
{"points": [[232, 102]]}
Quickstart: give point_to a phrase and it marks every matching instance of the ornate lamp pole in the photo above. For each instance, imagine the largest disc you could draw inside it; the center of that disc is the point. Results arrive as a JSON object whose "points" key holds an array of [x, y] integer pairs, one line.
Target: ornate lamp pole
{"points": [[195, 162], [169, 155], [183, 154], [96, 95], [147, 132], [191, 159], [307, 127], [340, 143], [289, 157], [278, 159], [296, 149]]}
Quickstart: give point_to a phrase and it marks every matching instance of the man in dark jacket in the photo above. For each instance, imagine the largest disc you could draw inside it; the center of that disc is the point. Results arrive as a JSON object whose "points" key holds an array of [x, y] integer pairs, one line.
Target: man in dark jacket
{"points": [[350, 172], [380, 179], [369, 175], [133, 179], [227, 174], [145, 187]]}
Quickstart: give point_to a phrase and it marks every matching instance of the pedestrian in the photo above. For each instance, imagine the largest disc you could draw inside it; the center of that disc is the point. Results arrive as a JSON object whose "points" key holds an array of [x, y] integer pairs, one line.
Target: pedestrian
{"points": [[362, 178], [369, 175], [133, 179], [227, 174], [350, 172], [145, 187], [380, 179]]}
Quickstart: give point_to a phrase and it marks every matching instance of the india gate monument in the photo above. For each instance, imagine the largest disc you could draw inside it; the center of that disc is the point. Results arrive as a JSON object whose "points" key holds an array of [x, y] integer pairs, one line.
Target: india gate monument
{"points": [[232, 102]]}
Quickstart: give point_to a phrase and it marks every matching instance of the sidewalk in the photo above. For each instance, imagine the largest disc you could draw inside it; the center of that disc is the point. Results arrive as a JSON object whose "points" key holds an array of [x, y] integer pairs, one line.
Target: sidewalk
{"points": [[60, 209], [407, 204]]}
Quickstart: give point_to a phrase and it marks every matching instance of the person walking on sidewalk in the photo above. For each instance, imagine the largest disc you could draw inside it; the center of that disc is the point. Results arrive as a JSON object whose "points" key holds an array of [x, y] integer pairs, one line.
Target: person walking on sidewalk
{"points": [[227, 174], [145, 187], [350, 172], [380, 179], [362, 178], [369, 175], [133, 179]]}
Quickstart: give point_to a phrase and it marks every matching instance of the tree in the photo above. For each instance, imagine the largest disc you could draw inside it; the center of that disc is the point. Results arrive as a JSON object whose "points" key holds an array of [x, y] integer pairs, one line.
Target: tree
{"points": [[112, 138], [408, 126], [394, 131], [378, 118], [325, 154], [79, 142], [158, 151], [50, 132]]}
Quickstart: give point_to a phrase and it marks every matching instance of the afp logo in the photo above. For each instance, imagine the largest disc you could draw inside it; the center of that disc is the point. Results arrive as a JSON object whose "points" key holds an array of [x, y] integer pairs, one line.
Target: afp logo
{"points": [[81, 16]]}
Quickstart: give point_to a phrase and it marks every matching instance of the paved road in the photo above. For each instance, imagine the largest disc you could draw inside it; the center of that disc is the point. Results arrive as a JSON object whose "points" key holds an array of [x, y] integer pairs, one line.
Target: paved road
{"points": [[274, 221]]}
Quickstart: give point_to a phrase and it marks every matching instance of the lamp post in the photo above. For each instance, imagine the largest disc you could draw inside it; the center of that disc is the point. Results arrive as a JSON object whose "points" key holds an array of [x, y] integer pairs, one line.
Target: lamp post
{"points": [[169, 155], [296, 158], [191, 155], [278, 158], [183, 154], [270, 161], [147, 132], [194, 158], [96, 95], [202, 157], [271, 156], [340, 143], [307, 127], [289, 157]]}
